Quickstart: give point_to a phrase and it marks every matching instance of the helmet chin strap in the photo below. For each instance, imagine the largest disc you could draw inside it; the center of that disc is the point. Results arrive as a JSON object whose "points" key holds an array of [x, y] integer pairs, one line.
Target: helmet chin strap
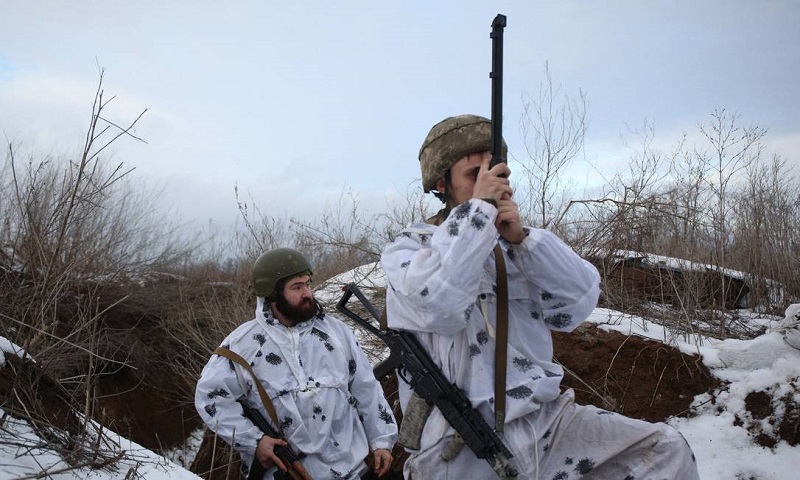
{"points": [[439, 217], [444, 196]]}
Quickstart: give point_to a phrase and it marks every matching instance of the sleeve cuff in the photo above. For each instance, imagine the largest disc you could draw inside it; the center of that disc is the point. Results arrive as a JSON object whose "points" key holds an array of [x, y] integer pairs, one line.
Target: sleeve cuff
{"points": [[381, 444]]}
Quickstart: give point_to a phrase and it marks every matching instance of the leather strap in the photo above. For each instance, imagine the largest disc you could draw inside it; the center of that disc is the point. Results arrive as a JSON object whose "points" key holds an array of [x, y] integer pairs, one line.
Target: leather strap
{"points": [[383, 322], [235, 357], [501, 341], [440, 216]]}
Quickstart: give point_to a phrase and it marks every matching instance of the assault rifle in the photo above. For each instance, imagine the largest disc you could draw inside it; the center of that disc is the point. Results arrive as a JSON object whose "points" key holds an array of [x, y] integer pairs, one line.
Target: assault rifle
{"points": [[295, 469], [431, 386], [498, 24]]}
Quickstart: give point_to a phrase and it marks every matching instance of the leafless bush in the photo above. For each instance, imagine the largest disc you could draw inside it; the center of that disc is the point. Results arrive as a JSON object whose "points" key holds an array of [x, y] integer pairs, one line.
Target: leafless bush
{"points": [[209, 310], [767, 230], [342, 239], [262, 231], [68, 220], [721, 210], [70, 227], [414, 207]]}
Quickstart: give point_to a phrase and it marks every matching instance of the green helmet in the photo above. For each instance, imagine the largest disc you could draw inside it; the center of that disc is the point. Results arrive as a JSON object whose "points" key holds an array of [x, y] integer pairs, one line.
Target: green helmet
{"points": [[451, 140], [274, 266]]}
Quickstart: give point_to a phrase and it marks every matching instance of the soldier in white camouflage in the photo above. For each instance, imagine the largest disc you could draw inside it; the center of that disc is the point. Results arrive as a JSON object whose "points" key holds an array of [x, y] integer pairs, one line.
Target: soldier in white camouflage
{"points": [[443, 286], [329, 406]]}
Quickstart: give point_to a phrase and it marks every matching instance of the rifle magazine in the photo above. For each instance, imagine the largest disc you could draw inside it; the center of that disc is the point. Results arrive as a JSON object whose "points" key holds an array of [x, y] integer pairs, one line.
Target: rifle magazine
{"points": [[414, 418]]}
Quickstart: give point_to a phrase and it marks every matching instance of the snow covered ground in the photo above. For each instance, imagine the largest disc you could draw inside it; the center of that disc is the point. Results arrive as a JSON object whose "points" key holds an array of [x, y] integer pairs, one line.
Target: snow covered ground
{"points": [[767, 363]]}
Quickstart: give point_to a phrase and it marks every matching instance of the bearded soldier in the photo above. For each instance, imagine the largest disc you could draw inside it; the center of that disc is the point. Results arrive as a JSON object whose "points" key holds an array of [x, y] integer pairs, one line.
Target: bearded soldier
{"points": [[328, 404]]}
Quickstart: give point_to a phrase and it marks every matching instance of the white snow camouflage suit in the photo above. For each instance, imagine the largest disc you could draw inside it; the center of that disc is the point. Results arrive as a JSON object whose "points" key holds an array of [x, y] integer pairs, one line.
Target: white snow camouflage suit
{"points": [[442, 285], [327, 400]]}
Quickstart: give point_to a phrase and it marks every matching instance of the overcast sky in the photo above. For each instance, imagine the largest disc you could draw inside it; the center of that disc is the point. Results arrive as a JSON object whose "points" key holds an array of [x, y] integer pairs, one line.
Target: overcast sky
{"points": [[295, 102]]}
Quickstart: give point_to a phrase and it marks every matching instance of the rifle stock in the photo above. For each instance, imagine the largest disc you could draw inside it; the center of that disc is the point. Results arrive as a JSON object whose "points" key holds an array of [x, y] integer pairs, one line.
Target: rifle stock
{"points": [[295, 469], [428, 382]]}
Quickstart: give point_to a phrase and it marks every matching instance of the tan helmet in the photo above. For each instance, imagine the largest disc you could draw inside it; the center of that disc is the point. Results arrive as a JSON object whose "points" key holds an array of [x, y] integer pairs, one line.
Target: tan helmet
{"points": [[274, 266], [449, 141]]}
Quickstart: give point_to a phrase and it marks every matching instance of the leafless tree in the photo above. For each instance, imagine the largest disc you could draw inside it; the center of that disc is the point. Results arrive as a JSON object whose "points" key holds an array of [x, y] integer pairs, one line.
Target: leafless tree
{"points": [[553, 127], [734, 148]]}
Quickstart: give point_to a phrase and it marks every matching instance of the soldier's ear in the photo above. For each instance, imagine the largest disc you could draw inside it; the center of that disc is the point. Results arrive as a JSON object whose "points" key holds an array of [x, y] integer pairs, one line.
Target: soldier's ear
{"points": [[441, 185]]}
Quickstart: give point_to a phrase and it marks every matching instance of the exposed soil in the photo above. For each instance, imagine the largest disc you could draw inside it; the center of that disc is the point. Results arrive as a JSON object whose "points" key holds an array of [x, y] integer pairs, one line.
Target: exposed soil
{"points": [[772, 419], [140, 391], [26, 391], [145, 410], [631, 375]]}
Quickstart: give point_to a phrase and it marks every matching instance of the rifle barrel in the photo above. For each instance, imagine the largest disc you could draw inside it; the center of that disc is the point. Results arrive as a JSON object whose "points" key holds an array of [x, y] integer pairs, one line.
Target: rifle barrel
{"points": [[498, 24]]}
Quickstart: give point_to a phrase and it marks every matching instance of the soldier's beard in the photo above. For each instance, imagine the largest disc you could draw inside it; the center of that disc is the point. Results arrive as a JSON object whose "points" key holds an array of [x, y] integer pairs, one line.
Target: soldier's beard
{"points": [[305, 310]]}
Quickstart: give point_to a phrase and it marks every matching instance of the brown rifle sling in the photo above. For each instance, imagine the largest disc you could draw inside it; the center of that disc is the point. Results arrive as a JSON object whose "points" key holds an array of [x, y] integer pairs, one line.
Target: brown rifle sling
{"points": [[384, 319], [501, 341], [233, 356]]}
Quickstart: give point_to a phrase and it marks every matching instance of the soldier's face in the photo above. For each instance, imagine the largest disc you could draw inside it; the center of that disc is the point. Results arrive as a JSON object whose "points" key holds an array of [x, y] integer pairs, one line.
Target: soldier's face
{"points": [[296, 303], [463, 174]]}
